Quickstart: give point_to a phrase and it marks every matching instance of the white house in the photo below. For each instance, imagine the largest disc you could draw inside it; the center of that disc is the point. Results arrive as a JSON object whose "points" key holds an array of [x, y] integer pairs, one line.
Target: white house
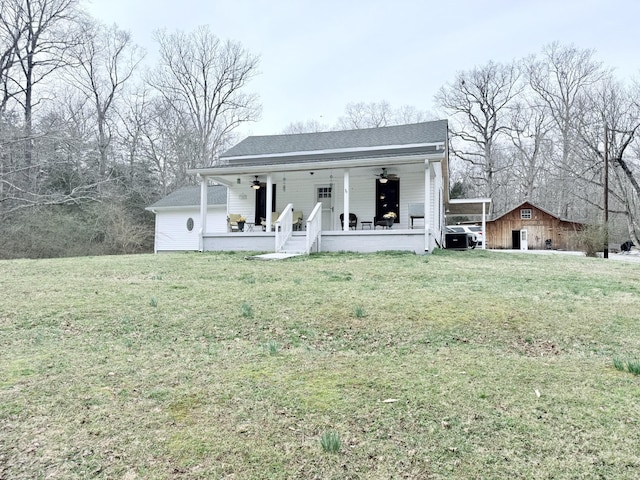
{"points": [[178, 220], [369, 173]]}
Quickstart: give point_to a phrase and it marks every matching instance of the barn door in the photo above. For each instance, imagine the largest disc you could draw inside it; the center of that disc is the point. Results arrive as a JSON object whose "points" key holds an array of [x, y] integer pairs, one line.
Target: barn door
{"points": [[523, 240], [515, 239]]}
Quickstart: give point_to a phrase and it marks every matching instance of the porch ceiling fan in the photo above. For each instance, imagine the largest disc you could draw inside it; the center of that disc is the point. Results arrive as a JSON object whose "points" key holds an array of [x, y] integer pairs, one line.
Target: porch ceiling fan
{"points": [[385, 176]]}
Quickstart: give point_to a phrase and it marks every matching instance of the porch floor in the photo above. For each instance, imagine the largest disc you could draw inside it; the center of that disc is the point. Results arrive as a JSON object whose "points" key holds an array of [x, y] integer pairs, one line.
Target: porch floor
{"points": [[331, 241]]}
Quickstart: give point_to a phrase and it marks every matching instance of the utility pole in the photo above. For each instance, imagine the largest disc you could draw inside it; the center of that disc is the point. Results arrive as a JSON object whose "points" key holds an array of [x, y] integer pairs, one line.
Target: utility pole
{"points": [[606, 191]]}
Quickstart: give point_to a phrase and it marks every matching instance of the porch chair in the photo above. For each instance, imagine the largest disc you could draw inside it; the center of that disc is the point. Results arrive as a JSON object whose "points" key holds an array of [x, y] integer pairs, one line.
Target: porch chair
{"points": [[274, 219], [232, 222], [353, 221], [385, 223], [297, 219]]}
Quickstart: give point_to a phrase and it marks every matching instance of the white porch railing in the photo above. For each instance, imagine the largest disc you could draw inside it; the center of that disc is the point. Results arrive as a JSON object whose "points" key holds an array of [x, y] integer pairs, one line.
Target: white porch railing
{"points": [[284, 227], [314, 228]]}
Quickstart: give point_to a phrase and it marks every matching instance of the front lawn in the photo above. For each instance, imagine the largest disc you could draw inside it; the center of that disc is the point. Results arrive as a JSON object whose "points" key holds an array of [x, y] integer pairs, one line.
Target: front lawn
{"points": [[344, 366]]}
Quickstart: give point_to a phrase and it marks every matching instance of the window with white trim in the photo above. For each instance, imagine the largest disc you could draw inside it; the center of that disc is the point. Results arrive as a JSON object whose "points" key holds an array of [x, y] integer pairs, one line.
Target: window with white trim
{"points": [[324, 192], [525, 214]]}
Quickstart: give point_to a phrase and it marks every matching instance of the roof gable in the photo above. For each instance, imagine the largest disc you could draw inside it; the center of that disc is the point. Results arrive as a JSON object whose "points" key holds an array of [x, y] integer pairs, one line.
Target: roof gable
{"points": [[190, 197], [528, 204]]}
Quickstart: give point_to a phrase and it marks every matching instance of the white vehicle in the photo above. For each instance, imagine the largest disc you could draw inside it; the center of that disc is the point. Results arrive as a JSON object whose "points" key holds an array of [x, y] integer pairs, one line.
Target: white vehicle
{"points": [[479, 233]]}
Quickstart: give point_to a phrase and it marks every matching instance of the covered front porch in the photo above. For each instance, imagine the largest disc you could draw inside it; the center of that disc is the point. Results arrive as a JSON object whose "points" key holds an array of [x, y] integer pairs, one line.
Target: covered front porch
{"points": [[364, 241], [324, 197]]}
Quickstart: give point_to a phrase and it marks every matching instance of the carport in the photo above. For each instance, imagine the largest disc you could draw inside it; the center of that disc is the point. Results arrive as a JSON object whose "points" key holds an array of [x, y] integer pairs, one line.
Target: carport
{"points": [[477, 207]]}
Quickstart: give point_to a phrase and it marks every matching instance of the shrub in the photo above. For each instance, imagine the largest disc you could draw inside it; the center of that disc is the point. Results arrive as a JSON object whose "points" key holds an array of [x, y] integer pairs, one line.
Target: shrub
{"points": [[592, 239]]}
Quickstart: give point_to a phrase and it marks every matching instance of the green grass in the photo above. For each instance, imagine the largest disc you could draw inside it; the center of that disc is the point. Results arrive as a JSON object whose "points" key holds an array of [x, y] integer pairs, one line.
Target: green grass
{"points": [[465, 365], [330, 442]]}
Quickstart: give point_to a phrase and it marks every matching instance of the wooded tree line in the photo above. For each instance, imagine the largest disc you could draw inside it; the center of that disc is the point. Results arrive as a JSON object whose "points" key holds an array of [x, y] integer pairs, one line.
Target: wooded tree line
{"points": [[535, 129], [540, 128], [90, 134]]}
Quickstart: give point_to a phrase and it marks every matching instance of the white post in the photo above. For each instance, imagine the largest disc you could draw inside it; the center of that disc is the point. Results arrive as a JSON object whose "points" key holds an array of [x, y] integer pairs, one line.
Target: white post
{"points": [[346, 200], [484, 226], [269, 206], [427, 205], [203, 210], [155, 232]]}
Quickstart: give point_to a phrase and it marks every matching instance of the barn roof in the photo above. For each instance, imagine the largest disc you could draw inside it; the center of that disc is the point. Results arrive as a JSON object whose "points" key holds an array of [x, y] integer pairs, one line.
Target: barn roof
{"points": [[527, 204]]}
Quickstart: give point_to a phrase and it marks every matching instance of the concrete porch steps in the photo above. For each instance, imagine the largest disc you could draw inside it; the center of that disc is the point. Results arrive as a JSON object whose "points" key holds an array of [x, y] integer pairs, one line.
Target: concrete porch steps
{"points": [[273, 256], [295, 245]]}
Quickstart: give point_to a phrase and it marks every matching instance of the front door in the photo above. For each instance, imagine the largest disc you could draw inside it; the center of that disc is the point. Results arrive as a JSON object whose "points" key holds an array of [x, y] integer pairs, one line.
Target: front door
{"points": [[261, 202], [324, 195], [388, 198]]}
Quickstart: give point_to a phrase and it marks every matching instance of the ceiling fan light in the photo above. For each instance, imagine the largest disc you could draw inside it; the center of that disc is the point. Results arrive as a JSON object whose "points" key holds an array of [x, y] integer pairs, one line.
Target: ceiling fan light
{"points": [[384, 180], [255, 184]]}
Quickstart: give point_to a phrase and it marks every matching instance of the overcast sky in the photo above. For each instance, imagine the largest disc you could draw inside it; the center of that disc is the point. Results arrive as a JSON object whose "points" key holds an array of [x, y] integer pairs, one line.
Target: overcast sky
{"points": [[317, 56]]}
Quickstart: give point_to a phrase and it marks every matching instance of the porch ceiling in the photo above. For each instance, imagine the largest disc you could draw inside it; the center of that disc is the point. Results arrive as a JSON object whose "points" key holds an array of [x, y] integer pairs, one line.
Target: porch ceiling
{"points": [[323, 174], [386, 161]]}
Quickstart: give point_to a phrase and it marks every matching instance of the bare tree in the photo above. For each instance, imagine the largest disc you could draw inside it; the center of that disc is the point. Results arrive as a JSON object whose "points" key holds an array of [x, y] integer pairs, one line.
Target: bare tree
{"points": [[478, 101], [203, 79], [379, 114], [10, 35], [366, 115], [41, 31], [132, 118], [613, 119], [105, 60], [166, 143], [529, 133], [560, 78], [310, 126]]}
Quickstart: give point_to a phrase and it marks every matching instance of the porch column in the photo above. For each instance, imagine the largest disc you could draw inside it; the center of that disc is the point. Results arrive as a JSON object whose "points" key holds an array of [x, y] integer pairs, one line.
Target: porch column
{"points": [[269, 206], [203, 210], [484, 226], [345, 227], [427, 205]]}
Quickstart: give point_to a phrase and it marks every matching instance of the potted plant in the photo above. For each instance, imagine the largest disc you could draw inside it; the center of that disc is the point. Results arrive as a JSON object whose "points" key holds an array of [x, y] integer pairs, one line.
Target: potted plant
{"points": [[241, 221], [390, 217]]}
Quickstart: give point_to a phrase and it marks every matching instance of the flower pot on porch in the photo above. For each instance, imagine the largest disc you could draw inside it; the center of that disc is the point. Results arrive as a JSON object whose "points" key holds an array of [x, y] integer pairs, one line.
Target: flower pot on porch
{"points": [[389, 222], [241, 226]]}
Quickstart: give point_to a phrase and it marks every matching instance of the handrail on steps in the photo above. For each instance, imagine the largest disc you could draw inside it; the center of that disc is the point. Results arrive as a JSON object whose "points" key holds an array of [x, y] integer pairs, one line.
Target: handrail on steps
{"points": [[314, 228], [284, 227]]}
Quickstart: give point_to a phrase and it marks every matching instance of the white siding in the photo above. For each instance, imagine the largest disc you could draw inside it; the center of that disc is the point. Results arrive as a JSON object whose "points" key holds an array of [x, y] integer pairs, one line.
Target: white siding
{"points": [[300, 188], [171, 227], [241, 199]]}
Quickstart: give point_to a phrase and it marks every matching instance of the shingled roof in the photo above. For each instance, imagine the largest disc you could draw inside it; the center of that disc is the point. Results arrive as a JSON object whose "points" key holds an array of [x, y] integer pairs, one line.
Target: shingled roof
{"points": [[190, 197], [425, 137]]}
